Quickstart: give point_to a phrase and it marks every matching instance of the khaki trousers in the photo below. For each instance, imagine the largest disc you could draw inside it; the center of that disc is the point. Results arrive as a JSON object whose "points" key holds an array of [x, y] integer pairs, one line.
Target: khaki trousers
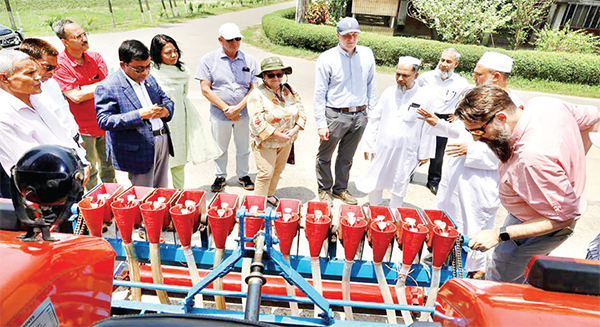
{"points": [[270, 164]]}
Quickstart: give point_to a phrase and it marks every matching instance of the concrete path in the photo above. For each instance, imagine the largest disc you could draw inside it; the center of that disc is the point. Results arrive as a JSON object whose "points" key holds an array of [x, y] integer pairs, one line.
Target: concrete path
{"points": [[199, 36]]}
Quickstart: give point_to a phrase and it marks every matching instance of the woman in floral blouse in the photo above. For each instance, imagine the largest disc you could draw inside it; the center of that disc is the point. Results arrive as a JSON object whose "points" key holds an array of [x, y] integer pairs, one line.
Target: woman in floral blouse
{"points": [[276, 115]]}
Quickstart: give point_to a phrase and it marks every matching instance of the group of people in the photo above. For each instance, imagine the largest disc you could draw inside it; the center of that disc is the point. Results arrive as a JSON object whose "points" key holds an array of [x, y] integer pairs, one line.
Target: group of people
{"points": [[139, 119]]}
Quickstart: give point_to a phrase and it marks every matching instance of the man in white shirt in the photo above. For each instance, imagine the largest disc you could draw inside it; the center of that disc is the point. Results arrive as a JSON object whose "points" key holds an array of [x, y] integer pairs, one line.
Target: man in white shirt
{"points": [[495, 68], [445, 88], [397, 141], [46, 55], [25, 122]]}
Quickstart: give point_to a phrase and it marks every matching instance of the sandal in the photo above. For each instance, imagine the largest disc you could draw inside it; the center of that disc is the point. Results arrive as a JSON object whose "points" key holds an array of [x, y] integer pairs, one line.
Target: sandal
{"points": [[273, 200]]}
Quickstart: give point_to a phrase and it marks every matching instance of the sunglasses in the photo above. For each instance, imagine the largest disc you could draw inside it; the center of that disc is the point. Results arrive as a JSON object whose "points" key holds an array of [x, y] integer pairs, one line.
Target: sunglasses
{"points": [[236, 39], [271, 75], [480, 130], [139, 70]]}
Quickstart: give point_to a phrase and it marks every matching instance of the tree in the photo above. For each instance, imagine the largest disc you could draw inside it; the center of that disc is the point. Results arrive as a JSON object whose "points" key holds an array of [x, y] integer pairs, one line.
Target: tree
{"points": [[463, 21], [528, 15], [301, 10]]}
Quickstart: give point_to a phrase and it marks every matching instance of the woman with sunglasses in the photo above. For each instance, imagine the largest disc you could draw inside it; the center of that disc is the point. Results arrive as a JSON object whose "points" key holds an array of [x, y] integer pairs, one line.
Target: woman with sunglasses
{"points": [[276, 116], [192, 142]]}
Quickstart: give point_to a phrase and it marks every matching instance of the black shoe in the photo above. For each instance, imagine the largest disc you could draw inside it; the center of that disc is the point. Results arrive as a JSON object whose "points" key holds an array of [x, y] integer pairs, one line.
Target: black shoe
{"points": [[218, 185], [433, 188], [246, 183]]}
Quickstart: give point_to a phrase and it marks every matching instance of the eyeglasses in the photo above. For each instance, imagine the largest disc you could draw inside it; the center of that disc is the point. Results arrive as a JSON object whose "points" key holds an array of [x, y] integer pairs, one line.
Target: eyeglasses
{"points": [[80, 36], [480, 130], [49, 68], [272, 75], [139, 70], [235, 39]]}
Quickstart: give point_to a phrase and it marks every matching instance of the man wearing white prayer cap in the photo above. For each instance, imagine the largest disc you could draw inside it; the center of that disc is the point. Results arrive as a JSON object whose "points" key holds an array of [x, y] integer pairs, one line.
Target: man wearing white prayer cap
{"points": [[395, 140], [495, 68]]}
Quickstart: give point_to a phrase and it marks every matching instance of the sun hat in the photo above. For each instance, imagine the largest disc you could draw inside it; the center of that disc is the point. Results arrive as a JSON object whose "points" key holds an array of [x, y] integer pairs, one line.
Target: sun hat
{"points": [[273, 63]]}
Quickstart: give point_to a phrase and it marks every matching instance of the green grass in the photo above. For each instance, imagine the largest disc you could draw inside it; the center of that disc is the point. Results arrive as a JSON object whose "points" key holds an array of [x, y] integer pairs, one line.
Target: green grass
{"points": [[255, 36], [94, 16]]}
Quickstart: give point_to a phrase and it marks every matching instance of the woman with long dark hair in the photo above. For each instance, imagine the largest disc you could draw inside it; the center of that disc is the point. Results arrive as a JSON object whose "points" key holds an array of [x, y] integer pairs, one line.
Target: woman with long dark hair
{"points": [[191, 141]]}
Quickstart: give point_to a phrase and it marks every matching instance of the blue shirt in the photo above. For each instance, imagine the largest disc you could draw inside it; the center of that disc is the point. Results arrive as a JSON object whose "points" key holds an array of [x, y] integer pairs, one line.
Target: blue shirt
{"points": [[231, 79], [342, 81]]}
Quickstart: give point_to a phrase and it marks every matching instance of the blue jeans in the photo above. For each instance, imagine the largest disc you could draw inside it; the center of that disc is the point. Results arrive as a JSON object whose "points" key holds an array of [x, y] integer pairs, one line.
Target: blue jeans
{"points": [[510, 258]]}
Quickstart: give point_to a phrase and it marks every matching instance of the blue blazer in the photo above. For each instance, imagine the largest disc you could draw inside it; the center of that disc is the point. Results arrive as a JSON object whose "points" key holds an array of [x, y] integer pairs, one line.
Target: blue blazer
{"points": [[129, 139]]}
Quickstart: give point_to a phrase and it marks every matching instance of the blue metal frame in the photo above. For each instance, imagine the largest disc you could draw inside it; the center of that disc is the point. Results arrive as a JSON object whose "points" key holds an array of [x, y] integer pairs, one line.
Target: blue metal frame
{"points": [[295, 273]]}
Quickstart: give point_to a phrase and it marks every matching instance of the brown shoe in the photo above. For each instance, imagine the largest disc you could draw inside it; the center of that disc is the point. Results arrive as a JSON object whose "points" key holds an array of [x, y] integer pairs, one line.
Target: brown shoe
{"points": [[325, 196], [346, 197]]}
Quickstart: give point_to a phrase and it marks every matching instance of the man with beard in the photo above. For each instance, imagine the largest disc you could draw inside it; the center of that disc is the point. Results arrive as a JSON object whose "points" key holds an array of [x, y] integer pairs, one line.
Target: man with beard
{"points": [[345, 88], [542, 173], [445, 88], [78, 73], [495, 68], [397, 141]]}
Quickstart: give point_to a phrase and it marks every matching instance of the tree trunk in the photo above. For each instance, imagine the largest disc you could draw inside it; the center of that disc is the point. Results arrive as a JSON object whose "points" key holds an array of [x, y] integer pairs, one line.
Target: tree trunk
{"points": [[10, 15], [142, 11], [112, 16], [301, 10], [164, 7], [148, 10], [171, 6]]}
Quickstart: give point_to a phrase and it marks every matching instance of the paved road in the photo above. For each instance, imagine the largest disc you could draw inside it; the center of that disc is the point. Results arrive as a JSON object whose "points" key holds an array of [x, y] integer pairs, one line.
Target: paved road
{"points": [[199, 36]]}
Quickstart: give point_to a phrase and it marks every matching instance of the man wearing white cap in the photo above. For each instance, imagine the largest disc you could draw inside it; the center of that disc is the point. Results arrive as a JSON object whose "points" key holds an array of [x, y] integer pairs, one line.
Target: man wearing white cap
{"points": [[445, 88], [345, 88], [396, 140], [495, 68], [542, 173], [227, 76]]}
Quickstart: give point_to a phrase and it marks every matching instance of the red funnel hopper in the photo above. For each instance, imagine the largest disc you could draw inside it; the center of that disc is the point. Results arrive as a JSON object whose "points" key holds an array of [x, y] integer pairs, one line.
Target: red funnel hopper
{"points": [[126, 216], [316, 233], [381, 239], [183, 222], [412, 242], [109, 191], [286, 231], [93, 216], [153, 220], [252, 226], [198, 198], [442, 244], [220, 225], [352, 235]]}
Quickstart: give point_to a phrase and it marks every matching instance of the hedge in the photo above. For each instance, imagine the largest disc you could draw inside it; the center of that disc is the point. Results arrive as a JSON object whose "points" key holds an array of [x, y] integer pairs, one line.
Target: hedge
{"points": [[281, 29]]}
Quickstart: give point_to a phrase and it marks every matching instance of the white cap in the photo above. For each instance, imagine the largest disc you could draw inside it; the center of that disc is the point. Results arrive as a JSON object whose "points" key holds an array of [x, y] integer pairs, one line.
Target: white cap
{"points": [[230, 31], [496, 61], [595, 137], [407, 60]]}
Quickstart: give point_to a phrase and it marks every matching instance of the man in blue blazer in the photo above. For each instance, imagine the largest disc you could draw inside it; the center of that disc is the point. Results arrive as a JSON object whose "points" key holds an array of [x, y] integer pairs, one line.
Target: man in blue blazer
{"points": [[134, 111]]}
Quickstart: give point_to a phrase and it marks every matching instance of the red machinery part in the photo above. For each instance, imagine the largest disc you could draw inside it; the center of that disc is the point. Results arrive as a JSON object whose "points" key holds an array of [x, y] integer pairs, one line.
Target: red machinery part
{"points": [[140, 194], [381, 239], [153, 220], [276, 285], [471, 302], [74, 274], [170, 196], [199, 197], [352, 235], [232, 201], [183, 223], [286, 231], [126, 216], [431, 216], [220, 225], [316, 233], [112, 189], [93, 215]]}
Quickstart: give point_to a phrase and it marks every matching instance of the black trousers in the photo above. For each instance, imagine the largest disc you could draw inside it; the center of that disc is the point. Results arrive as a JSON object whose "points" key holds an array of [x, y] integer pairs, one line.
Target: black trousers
{"points": [[435, 164], [4, 185]]}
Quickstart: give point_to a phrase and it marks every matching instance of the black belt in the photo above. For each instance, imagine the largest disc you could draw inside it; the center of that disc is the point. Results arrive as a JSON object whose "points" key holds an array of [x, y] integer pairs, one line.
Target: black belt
{"points": [[160, 132], [350, 109]]}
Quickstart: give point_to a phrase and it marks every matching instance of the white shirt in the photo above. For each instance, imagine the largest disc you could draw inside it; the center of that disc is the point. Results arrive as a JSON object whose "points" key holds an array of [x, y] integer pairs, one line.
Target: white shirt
{"points": [[445, 93], [59, 107], [142, 95], [23, 128], [342, 81]]}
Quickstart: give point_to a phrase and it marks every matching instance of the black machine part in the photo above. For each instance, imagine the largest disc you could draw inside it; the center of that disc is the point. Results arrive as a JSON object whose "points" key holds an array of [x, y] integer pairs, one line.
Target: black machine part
{"points": [[47, 175], [565, 275]]}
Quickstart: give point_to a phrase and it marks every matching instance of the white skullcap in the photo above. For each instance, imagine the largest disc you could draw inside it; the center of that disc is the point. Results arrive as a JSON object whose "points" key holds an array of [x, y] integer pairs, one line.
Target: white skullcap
{"points": [[407, 60], [496, 61], [595, 137]]}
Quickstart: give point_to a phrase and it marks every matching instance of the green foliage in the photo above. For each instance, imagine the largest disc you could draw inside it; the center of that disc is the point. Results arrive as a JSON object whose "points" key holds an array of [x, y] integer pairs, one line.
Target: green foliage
{"points": [[337, 9], [527, 16], [317, 12], [463, 21], [562, 67], [566, 40]]}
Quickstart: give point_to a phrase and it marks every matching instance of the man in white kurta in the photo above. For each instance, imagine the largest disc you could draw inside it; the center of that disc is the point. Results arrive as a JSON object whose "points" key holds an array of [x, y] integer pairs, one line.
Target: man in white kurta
{"points": [[396, 140], [495, 68], [468, 191]]}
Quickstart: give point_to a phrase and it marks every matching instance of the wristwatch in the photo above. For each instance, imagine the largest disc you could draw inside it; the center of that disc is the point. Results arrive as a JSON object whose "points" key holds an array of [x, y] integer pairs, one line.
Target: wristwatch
{"points": [[504, 235]]}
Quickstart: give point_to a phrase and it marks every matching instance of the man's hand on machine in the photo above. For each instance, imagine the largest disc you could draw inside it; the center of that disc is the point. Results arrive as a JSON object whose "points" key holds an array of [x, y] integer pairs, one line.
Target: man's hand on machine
{"points": [[484, 239]]}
